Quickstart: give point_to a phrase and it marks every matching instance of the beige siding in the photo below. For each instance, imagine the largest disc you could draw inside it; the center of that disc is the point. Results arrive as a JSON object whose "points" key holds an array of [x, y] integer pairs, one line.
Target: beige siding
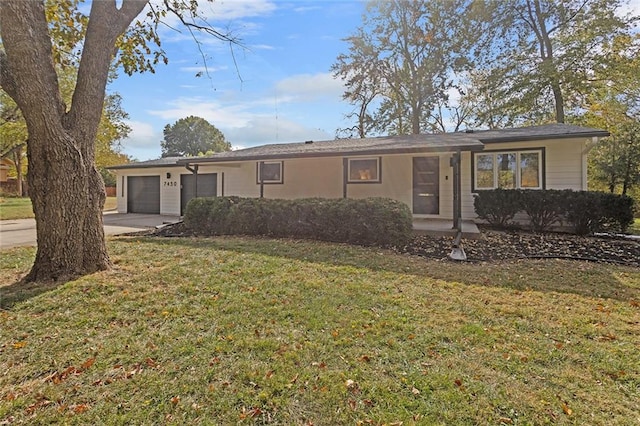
{"points": [[395, 183], [168, 190], [563, 160], [323, 177], [564, 166], [307, 177]]}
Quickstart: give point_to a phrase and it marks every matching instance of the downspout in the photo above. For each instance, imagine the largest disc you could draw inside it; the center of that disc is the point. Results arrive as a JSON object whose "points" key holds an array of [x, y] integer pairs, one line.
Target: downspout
{"points": [[193, 170]]}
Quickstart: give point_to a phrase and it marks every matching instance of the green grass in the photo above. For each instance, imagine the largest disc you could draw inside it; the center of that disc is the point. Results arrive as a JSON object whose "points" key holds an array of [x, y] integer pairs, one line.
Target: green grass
{"points": [[20, 207], [256, 331], [635, 227]]}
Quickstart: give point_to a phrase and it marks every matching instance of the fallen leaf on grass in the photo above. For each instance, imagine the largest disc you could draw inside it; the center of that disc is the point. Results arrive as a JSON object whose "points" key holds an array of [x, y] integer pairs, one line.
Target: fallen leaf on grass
{"points": [[88, 363], [353, 404], [607, 337], [80, 408], [19, 345], [251, 413]]}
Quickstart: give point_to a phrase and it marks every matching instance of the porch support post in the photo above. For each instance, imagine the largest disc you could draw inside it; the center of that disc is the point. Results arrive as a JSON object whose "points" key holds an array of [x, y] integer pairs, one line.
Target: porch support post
{"points": [[345, 176], [457, 190], [261, 169]]}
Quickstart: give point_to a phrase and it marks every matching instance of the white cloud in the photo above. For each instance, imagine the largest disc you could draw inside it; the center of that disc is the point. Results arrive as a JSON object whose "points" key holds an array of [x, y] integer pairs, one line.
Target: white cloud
{"points": [[219, 115], [310, 87], [143, 142], [264, 130], [203, 69], [222, 10], [142, 135]]}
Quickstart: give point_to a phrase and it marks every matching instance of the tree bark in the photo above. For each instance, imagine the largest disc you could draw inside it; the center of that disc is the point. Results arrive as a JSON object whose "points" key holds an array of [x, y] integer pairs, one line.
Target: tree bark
{"points": [[65, 187]]}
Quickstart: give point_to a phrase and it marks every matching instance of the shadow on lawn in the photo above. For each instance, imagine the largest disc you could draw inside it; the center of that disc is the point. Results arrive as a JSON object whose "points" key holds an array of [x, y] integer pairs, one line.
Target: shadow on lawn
{"points": [[21, 291], [563, 276]]}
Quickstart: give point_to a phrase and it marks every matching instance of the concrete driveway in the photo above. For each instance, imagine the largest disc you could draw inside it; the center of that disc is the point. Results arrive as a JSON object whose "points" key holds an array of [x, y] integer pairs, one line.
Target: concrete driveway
{"points": [[22, 232]]}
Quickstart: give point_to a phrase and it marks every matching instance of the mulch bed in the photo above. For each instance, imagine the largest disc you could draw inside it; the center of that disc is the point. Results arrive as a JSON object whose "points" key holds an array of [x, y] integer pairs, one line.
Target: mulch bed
{"points": [[499, 245]]}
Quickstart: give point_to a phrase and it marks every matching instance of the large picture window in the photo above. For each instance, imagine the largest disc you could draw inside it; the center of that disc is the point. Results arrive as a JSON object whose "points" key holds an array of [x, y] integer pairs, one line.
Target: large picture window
{"points": [[508, 170], [269, 172], [364, 170]]}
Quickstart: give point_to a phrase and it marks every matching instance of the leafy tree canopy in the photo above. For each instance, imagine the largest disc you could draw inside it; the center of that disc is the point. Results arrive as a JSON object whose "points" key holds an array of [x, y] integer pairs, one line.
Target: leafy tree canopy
{"points": [[38, 36], [398, 67], [542, 58], [192, 136]]}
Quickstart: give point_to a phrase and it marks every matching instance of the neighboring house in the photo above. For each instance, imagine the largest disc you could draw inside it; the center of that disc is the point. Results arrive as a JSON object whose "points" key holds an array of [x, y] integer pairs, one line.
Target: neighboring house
{"points": [[5, 166], [436, 175]]}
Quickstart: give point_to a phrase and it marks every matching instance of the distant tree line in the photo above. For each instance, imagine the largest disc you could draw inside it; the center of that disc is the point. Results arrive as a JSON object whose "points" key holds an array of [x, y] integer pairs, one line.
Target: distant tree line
{"points": [[416, 66]]}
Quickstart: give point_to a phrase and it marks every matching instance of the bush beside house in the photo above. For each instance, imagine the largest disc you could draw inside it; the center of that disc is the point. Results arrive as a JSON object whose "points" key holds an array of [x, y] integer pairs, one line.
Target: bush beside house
{"points": [[584, 211], [371, 221]]}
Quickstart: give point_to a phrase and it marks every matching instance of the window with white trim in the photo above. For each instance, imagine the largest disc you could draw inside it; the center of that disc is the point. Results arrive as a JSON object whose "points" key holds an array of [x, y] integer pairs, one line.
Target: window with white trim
{"points": [[364, 170], [269, 172], [508, 170]]}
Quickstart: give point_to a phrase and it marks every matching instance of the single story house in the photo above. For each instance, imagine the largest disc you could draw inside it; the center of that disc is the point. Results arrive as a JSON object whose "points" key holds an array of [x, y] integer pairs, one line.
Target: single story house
{"points": [[436, 175]]}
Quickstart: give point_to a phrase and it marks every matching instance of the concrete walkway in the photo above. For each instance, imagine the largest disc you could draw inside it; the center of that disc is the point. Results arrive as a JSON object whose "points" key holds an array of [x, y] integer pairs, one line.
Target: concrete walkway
{"points": [[22, 232], [444, 227]]}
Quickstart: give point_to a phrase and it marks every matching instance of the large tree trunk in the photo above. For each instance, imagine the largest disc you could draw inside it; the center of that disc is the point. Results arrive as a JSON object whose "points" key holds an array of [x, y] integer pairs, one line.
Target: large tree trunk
{"points": [[66, 189]]}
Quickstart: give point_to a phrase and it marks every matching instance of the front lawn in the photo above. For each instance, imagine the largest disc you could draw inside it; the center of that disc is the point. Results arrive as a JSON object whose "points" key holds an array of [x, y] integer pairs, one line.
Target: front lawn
{"points": [[257, 331], [20, 207]]}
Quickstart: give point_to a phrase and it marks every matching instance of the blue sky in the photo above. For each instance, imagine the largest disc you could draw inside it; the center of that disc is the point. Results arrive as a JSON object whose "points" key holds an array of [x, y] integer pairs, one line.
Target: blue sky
{"points": [[282, 89]]}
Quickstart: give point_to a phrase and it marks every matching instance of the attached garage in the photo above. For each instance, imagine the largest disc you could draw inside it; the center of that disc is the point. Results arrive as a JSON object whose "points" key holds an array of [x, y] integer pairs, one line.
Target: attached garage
{"points": [[143, 194], [197, 185]]}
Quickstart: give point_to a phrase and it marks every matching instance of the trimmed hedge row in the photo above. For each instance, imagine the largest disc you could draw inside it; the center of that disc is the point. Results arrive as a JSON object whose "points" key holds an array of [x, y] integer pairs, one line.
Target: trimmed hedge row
{"points": [[585, 211], [371, 221]]}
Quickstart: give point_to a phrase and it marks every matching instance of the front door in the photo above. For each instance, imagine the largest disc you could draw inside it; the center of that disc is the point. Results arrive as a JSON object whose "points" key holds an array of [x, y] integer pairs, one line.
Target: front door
{"points": [[426, 185]]}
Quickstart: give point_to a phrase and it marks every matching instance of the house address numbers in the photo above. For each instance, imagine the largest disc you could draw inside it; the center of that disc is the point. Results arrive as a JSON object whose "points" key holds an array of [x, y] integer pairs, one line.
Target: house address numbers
{"points": [[170, 183]]}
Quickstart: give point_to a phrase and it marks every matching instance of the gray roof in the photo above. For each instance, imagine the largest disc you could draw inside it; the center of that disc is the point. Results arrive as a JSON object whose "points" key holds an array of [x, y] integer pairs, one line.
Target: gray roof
{"points": [[366, 146], [542, 132], [160, 162], [439, 142]]}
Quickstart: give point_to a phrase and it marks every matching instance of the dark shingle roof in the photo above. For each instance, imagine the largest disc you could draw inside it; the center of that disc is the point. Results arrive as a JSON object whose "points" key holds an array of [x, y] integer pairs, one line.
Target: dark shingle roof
{"points": [[440, 142], [367, 146], [160, 162], [545, 131]]}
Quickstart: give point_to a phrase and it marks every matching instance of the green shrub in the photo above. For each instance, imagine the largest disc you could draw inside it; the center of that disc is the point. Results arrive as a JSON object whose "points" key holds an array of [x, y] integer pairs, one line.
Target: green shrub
{"points": [[590, 212], [498, 207], [371, 221], [586, 211], [544, 208], [209, 216]]}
